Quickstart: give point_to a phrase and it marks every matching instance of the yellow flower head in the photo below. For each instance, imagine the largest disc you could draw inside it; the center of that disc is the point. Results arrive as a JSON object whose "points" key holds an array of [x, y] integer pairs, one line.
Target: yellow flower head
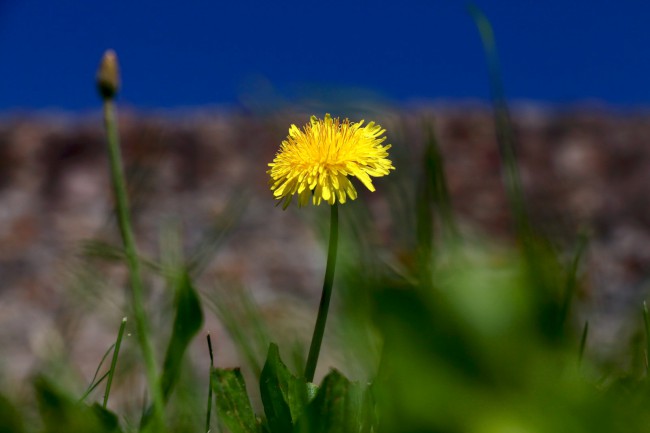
{"points": [[316, 161]]}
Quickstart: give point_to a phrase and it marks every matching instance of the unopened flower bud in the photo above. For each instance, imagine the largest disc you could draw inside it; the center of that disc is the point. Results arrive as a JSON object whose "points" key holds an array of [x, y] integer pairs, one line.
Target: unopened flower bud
{"points": [[108, 75]]}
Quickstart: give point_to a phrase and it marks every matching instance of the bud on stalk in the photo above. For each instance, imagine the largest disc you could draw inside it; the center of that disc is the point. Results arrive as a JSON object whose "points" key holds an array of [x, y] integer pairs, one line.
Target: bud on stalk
{"points": [[108, 75]]}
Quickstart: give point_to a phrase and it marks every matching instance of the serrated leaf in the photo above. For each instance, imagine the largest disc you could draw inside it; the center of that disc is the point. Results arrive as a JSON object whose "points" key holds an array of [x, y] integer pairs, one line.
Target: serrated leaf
{"points": [[187, 322], [231, 400], [337, 407], [284, 395]]}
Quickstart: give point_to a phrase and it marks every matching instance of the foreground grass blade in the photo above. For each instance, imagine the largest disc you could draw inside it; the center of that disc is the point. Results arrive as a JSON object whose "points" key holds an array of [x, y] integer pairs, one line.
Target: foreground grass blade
{"points": [[572, 278], [424, 228], [432, 197], [540, 259], [231, 400], [108, 84], [187, 323], [116, 353], [505, 136]]}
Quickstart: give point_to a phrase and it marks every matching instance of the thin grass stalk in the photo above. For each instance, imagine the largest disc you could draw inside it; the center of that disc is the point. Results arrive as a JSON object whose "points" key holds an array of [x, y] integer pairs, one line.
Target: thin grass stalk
{"points": [[646, 325], [572, 278], [231, 314], [535, 249], [116, 352], [323, 308], [437, 176], [424, 223], [208, 416], [94, 384], [583, 342], [108, 83], [505, 136]]}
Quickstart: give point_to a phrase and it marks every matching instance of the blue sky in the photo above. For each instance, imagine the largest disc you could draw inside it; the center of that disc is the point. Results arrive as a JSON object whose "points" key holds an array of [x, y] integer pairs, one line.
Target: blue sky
{"points": [[194, 53]]}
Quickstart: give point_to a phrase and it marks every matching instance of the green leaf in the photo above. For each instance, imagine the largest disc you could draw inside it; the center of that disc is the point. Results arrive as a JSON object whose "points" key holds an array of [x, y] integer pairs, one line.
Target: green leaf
{"points": [[187, 323], [61, 413], [284, 395], [107, 418], [231, 399], [337, 407], [10, 419]]}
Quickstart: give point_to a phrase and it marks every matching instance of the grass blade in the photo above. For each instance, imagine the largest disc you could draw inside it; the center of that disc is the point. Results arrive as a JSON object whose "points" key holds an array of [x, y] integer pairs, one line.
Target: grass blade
{"points": [[646, 325], [243, 322], [187, 323], [116, 353], [94, 384], [583, 342], [572, 278], [209, 411], [539, 256], [505, 136]]}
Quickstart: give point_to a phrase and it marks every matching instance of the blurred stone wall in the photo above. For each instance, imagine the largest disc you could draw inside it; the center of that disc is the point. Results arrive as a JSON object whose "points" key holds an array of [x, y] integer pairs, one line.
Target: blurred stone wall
{"points": [[580, 169]]}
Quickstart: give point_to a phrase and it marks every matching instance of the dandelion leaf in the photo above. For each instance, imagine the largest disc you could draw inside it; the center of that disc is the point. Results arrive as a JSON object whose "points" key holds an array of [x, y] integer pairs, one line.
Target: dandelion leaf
{"points": [[284, 395], [231, 400], [337, 407]]}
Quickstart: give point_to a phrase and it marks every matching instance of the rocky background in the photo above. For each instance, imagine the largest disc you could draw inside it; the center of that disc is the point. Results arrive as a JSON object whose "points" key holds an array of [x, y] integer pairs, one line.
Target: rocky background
{"points": [[205, 171]]}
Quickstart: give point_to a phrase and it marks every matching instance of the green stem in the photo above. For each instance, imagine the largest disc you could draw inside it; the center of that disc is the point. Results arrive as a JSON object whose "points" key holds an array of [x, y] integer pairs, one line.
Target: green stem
{"points": [[319, 329], [132, 261], [116, 352]]}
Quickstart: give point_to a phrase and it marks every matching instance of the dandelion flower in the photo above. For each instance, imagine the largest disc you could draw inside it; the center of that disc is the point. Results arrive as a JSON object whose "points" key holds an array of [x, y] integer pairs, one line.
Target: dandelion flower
{"points": [[317, 160]]}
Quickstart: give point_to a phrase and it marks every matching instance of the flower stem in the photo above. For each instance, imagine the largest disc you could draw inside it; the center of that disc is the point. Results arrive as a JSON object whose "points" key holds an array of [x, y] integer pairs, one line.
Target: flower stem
{"points": [[319, 329], [132, 261]]}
